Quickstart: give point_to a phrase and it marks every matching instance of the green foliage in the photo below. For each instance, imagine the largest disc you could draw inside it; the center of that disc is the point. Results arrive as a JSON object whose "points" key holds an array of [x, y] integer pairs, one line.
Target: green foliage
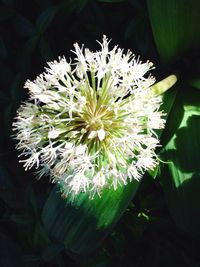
{"points": [[176, 33], [82, 223], [181, 175], [175, 25]]}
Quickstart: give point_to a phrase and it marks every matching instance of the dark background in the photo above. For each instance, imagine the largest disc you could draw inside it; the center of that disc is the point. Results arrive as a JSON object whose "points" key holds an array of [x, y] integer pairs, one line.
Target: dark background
{"points": [[32, 33]]}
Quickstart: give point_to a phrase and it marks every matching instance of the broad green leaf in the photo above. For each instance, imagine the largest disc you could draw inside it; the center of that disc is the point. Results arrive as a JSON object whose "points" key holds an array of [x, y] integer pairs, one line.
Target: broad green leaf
{"points": [[176, 31], [175, 25], [83, 223], [181, 176]]}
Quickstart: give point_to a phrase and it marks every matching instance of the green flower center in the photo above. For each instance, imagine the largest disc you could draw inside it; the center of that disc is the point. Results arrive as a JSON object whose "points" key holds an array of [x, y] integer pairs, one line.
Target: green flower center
{"points": [[95, 124]]}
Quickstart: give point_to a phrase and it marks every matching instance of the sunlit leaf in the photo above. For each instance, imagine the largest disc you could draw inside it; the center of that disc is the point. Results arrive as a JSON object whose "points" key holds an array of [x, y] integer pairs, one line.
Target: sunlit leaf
{"points": [[175, 25], [83, 223], [176, 31], [180, 177]]}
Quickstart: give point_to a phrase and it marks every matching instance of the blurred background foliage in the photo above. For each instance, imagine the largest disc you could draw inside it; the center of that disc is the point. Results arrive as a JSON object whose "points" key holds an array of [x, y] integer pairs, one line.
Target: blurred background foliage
{"points": [[161, 224]]}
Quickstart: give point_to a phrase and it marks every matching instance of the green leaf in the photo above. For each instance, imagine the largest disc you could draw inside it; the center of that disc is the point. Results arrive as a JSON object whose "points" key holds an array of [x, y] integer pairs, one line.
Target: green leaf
{"points": [[154, 173], [175, 25], [176, 32], [174, 110], [181, 176], [83, 223]]}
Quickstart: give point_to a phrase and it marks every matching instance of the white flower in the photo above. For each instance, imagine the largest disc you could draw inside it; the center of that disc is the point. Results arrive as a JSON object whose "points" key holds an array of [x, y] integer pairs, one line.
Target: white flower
{"points": [[91, 123]]}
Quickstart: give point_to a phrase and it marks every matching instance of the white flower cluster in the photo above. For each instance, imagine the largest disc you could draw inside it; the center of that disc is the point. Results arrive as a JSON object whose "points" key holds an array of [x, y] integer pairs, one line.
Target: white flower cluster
{"points": [[90, 123]]}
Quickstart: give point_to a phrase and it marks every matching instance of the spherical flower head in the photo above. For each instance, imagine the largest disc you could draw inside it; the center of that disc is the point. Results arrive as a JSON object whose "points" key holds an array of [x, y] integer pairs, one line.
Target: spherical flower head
{"points": [[90, 123]]}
